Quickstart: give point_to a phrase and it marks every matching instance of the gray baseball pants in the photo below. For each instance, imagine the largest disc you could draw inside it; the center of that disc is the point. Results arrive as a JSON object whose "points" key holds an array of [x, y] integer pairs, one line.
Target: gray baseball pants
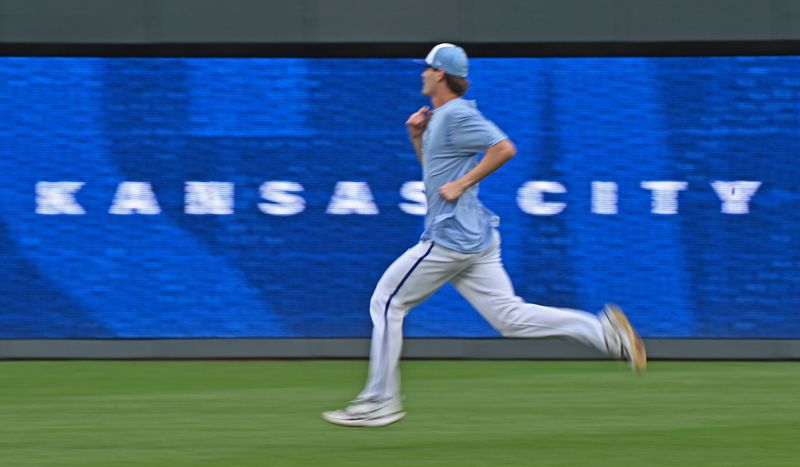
{"points": [[478, 277]]}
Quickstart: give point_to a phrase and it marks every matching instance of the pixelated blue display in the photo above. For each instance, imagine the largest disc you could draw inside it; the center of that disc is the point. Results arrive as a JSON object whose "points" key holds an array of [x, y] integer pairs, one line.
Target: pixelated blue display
{"points": [[668, 185]]}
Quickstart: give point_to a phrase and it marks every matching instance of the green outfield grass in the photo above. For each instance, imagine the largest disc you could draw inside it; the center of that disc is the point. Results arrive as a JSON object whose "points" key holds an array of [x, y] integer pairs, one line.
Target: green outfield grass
{"points": [[459, 413]]}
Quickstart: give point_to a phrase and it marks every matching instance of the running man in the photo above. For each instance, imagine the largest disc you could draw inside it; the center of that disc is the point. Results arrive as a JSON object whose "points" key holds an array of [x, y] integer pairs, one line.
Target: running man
{"points": [[461, 245]]}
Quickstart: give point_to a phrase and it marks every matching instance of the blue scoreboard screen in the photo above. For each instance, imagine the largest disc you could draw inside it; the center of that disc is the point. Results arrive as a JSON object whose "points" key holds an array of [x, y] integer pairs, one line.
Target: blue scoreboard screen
{"points": [[264, 197]]}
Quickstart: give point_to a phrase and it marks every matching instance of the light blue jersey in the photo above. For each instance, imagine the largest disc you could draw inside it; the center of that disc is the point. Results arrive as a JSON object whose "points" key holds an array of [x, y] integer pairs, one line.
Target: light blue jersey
{"points": [[456, 133]]}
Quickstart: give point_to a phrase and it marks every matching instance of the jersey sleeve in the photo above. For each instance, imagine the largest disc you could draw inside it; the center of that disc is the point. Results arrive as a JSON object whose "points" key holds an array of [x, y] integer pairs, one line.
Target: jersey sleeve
{"points": [[472, 132]]}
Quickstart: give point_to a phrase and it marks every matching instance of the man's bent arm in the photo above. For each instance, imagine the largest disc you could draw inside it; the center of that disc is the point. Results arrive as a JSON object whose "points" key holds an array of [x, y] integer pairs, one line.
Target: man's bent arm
{"points": [[416, 124], [494, 158]]}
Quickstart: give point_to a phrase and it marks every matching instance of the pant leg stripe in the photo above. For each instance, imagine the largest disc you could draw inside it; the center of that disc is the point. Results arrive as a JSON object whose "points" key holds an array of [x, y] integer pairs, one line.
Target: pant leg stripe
{"points": [[389, 302]]}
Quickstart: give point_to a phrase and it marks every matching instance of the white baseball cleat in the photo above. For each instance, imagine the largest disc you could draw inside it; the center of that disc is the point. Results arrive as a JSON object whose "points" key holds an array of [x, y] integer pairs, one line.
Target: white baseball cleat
{"points": [[622, 341], [367, 412]]}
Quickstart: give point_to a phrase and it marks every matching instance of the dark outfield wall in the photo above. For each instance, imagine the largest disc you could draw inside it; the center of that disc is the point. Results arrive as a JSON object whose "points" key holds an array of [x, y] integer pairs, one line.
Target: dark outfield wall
{"points": [[147, 21]]}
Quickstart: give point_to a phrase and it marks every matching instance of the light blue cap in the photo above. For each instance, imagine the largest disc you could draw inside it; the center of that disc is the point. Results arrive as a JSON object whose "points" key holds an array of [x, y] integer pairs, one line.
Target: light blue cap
{"points": [[449, 58]]}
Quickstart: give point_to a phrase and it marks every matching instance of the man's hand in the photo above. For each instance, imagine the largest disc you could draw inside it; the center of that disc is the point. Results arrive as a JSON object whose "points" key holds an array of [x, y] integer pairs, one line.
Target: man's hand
{"points": [[451, 191], [418, 121]]}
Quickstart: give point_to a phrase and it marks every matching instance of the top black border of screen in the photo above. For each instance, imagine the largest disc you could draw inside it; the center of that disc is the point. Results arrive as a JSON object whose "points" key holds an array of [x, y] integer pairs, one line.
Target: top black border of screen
{"points": [[403, 49]]}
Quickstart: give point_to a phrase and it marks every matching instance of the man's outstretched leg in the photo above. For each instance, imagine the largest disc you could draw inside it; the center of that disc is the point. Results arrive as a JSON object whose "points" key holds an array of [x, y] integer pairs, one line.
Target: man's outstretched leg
{"points": [[486, 285]]}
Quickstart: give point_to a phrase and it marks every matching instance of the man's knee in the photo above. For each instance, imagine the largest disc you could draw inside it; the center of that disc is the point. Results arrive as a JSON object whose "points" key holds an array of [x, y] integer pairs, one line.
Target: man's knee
{"points": [[505, 317], [377, 303]]}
